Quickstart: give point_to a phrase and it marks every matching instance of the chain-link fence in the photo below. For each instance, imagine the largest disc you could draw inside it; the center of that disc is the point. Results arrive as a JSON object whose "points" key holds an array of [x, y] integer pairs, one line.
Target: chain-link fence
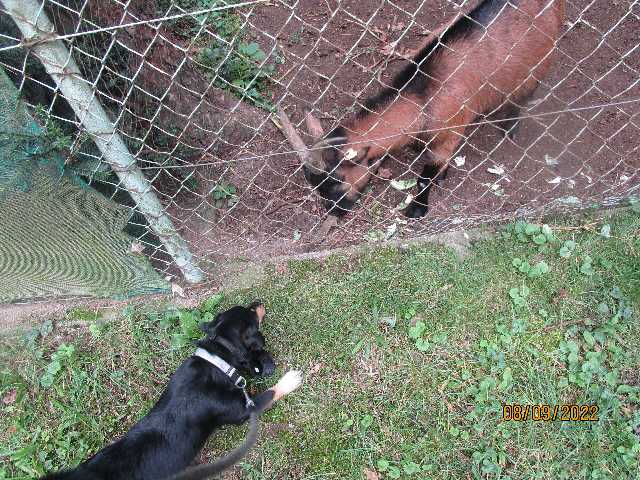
{"points": [[169, 107]]}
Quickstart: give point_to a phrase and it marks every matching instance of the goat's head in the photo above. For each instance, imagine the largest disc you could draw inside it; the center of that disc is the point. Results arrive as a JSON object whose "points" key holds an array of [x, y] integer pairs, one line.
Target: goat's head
{"points": [[337, 170]]}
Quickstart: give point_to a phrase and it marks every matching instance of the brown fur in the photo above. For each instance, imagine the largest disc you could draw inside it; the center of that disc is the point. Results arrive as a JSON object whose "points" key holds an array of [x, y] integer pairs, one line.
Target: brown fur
{"points": [[480, 73]]}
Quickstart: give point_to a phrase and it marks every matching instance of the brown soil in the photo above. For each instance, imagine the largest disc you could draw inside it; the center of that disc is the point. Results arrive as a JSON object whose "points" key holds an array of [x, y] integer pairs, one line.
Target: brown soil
{"points": [[332, 64]]}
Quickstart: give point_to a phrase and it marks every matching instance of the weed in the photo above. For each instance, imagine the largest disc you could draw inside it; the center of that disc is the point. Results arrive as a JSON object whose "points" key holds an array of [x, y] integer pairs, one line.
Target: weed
{"points": [[233, 63], [224, 194]]}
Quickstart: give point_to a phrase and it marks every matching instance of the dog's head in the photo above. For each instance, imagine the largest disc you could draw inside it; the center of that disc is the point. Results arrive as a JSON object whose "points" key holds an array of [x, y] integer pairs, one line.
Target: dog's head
{"points": [[237, 331]]}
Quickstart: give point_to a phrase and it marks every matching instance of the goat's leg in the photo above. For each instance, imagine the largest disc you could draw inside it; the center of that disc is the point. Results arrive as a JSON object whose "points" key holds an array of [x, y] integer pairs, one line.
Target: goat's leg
{"points": [[431, 174], [509, 122], [442, 149]]}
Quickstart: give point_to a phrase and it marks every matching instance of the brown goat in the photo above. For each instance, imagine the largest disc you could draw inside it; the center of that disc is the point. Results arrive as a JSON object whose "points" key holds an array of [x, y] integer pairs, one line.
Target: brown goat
{"points": [[487, 62]]}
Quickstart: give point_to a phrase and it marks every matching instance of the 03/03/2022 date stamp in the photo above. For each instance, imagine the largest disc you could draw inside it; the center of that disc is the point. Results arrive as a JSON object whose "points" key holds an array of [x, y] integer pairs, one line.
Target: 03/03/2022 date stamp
{"points": [[516, 412]]}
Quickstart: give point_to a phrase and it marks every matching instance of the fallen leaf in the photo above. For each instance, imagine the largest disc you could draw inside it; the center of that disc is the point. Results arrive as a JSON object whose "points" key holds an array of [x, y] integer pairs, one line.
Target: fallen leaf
{"points": [[497, 170], [136, 248], [560, 295], [404, 184], [384, 173], [391, 49], [460, 161], [384, 36], [589, 179], [391, 230], [315, 368], [177, 290], [370, 474], [405, 203], [350, 154], [391, 321], [550, 160], [282, 268], [555, 181], [387, 50], [10, 397]]}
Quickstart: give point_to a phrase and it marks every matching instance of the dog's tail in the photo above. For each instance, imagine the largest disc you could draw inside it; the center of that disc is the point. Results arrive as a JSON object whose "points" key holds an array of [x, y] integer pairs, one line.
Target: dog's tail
{"points": [[202, 472]]}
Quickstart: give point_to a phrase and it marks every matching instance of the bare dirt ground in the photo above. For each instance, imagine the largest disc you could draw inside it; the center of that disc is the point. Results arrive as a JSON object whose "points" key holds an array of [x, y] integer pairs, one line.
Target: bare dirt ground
{"points": [[337, 54]]}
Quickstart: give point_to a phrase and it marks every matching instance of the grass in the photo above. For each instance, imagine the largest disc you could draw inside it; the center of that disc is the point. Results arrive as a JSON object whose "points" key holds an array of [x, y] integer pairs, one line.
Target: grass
{"points": [[410, 355]]}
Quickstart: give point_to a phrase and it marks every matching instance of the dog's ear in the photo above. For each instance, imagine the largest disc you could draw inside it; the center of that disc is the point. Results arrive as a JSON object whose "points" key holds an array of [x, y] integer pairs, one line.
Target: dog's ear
{"points": [[209, 328]]}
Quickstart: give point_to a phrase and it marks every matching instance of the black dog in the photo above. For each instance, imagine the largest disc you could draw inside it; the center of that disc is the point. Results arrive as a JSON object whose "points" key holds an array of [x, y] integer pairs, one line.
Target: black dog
{"points": [[205, 393]]}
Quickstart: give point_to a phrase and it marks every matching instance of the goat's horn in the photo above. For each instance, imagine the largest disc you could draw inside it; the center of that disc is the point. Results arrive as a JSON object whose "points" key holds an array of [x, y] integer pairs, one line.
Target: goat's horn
{"points": [[314, 128], [308, 158]]}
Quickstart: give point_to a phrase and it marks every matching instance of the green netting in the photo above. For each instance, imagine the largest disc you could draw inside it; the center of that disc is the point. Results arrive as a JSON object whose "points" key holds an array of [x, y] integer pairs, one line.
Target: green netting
{"points": [[58, 237]]}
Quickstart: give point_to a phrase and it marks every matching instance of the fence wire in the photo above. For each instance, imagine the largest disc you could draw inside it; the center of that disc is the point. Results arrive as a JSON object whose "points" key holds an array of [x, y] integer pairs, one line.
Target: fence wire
{"points": [[192, 86]]}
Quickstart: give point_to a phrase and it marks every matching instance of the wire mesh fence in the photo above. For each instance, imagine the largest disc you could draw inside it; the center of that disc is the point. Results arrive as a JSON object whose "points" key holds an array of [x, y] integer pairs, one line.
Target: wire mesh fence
{"points": [[191, 87]]}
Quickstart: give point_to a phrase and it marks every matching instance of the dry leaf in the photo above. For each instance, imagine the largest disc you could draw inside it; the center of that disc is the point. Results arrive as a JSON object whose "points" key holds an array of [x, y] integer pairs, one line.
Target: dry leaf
{"points": [[136, 248], [370, 474], [384, 173], [443, 386], [281, 268], [315, 368], [561, 294], [387, 50], [350, 154], [497, 170], [10, 397], [177, 290]]}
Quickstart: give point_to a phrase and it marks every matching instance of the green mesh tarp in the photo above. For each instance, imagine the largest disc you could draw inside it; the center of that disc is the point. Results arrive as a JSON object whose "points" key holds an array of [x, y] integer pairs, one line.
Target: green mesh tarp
{"points": [[58, 237]]}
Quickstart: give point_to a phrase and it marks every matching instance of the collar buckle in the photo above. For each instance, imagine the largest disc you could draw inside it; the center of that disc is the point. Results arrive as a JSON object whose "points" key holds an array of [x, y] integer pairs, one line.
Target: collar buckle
{"points": [[240, 382]]}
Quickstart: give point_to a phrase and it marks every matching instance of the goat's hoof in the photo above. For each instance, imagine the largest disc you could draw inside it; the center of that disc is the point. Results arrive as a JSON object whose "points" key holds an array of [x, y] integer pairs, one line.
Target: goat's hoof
{"points": [[415, 210]]}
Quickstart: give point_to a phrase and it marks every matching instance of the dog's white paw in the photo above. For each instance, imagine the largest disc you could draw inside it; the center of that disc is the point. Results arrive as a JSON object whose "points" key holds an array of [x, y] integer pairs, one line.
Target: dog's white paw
{"points": [[289, 382]]}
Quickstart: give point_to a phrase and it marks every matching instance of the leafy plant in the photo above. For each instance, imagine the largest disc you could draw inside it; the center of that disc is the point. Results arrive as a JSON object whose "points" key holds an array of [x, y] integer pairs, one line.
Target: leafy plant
{"points": [[224, 194], [226, 57], [415, 333], [586, 268], [567, 248], [189, 321], [56, 138], [530, 232], [58, 360], [396, 469], [519, 295], [538, 270]]}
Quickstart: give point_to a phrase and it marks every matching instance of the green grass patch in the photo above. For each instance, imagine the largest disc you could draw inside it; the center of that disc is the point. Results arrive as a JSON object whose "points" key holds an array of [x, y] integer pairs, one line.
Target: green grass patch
{"points": [[410, 356]]}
